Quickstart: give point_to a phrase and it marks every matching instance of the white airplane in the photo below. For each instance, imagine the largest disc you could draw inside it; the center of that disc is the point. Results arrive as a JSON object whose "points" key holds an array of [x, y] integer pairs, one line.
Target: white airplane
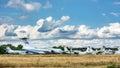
{"points": [[89, 50], [104, 51], [56, 51], [33, 50], [30, 49], [79, 52], [66, 50], [70, 51], [10, 51], [118, 52]]}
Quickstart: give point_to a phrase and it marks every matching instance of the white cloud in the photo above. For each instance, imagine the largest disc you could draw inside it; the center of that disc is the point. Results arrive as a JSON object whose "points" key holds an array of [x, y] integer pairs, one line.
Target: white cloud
{"points": [[2, 30], [6, 20], [72, 32], [23, 17], [50, 29], [49, 19], [21, 4], [67, 31], [15, 3], [68, 28], [116, 3], [32, 6], [85, 32], [77, 43], [65, 18], [47, 28], [7, 30], [23, 31], [34, 34], [47, 5], [115, 14], [49, 24], [51, 33], [111, 31]]}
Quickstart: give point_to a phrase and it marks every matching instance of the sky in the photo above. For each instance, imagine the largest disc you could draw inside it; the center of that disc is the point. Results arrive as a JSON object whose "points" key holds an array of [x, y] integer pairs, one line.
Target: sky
{"points": [[62, 22]]}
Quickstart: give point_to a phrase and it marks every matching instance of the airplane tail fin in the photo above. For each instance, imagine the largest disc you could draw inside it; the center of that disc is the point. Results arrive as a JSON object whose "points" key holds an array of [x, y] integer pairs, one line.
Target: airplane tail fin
{"points": [[65, 49], [89, 49], [8, 49]]}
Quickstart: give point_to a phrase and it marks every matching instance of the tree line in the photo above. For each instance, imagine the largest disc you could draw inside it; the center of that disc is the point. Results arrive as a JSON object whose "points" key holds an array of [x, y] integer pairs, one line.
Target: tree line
{"points": [[4, 51]]}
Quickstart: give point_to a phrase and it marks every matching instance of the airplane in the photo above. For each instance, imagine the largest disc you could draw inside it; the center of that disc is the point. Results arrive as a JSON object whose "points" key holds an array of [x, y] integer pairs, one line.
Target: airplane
{"points": [[10, 51], [45, 51], [56, 51], [68, 51], [79, 52], [104, 51], [33, 50], [118, 52], [71, 51], [89, 50]]}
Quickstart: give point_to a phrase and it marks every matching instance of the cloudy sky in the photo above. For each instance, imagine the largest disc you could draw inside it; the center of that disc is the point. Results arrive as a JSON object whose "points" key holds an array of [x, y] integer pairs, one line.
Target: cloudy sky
{"points": [[63, 22]]}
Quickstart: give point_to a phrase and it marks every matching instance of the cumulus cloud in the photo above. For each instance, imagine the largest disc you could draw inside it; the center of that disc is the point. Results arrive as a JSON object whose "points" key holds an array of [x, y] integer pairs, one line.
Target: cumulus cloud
{"points": [[15, 30], [85, 32], [49, 28], [50, 32], [49, 24], [7, 30], [67, 31], [21, 4], [111, 31], [23, 31], [65, 18]]}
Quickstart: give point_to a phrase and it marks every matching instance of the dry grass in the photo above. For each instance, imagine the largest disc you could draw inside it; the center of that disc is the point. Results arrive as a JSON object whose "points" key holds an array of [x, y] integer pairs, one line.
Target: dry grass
{"points": [[59, 60]]}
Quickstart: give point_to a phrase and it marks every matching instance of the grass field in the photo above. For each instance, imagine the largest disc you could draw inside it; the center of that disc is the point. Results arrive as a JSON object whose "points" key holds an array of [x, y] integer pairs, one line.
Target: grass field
{"points": [[59, 60]]}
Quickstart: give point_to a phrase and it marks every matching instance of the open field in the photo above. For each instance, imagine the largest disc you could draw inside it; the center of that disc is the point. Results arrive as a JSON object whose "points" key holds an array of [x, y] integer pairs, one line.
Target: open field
{"points": [[59, 60]]}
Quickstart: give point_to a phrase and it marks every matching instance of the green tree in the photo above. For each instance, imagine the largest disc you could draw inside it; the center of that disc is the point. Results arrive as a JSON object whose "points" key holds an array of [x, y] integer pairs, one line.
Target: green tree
{"points": [[19, 47], [3, 49]]}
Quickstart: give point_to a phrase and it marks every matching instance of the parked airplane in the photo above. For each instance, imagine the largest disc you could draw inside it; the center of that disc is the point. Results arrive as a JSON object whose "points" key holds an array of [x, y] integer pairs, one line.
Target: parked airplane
{"points": [[89, 50], [40, 51], [34, 51], [118, 52], [56, 51], [68, 51], [10, 51], [104, 51]]}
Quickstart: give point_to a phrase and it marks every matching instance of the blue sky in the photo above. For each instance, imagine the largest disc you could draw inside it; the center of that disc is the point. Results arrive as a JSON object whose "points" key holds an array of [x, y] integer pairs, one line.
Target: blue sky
{"points": [[83, 22], [94, 13]]}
